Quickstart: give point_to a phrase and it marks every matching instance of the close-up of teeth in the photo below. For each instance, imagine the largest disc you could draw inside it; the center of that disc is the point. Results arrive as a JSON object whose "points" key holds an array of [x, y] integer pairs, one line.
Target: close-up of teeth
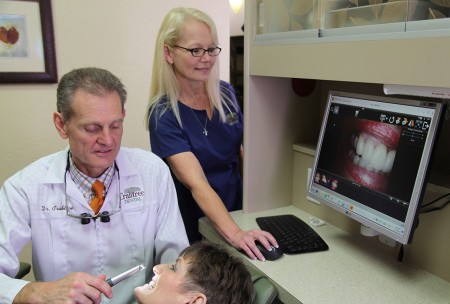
{"points": [[372, 155], [153, 282]]}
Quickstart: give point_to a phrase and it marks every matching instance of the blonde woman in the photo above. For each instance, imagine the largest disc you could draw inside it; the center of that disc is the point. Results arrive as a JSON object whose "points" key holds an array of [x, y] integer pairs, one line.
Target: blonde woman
{"points": [[196, 126]]}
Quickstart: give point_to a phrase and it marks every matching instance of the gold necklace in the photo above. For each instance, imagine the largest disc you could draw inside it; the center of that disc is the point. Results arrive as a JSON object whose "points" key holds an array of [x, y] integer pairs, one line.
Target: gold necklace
{"points": [[205, 131]]}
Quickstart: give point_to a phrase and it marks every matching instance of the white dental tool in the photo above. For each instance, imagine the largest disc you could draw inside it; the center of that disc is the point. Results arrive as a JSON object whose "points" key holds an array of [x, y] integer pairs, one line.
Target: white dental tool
{"points": [[124, 275]]}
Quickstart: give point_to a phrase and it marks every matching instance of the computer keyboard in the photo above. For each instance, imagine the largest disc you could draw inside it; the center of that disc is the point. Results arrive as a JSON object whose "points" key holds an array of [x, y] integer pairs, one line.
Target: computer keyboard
{"points": [[293, 234]]}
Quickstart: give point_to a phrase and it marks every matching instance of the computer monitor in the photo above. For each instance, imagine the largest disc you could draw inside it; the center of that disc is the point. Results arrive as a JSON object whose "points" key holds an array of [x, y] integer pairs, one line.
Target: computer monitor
{"points": [[372, 159]]}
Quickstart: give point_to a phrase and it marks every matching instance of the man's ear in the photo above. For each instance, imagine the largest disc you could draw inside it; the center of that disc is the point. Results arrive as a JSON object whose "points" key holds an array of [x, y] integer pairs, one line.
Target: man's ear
{"points": [[59, 125], [198, 298]]}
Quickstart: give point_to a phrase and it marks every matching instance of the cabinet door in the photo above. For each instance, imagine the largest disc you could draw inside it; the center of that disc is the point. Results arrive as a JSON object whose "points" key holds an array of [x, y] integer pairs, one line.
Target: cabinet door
{"points": [[435, 14], [381, 16], [278, 19], [298, 19]]}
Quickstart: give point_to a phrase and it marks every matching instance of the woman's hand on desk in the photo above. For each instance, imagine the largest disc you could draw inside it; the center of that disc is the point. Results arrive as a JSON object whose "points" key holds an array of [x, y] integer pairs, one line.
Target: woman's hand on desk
{"points": [[245, 240]]}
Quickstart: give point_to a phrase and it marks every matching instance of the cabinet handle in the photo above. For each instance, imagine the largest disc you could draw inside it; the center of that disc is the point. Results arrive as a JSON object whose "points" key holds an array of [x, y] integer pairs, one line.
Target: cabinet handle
{"points": [[261, 14]]}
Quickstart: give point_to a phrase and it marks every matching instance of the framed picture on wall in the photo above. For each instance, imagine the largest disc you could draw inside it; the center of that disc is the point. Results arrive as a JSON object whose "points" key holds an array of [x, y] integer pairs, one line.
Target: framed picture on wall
{"points": [[27, 47]]}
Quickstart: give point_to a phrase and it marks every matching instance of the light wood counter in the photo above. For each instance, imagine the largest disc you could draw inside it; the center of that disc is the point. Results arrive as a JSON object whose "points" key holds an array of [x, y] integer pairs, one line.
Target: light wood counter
{"points": [[349, 272]]}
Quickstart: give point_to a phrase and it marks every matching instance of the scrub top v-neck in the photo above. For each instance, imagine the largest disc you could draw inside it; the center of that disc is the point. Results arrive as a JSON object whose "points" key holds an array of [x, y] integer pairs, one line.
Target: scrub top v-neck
{"points": [[217, 152]]}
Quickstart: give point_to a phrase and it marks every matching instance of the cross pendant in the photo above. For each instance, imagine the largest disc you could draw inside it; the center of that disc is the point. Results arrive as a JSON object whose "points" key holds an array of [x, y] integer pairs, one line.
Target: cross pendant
{"points": [[205, 132]]}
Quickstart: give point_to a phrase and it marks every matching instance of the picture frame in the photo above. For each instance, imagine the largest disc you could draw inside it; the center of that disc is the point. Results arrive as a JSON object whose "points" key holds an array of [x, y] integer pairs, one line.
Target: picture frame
{"points": [[27, 45]]}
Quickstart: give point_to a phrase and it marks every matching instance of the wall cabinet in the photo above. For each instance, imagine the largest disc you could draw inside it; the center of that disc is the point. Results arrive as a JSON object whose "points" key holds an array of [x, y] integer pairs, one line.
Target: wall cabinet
{"points": [[276, 118], [275, 19], [413, 57]]}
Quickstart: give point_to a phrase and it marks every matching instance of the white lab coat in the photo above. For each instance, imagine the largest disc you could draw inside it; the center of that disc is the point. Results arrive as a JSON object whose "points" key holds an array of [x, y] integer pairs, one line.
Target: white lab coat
{"points": [[148, 230]]}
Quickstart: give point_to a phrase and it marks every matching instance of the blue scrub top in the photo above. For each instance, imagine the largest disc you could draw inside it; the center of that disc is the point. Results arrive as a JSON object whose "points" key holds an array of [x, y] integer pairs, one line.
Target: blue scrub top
{"points": [[218, 153]]}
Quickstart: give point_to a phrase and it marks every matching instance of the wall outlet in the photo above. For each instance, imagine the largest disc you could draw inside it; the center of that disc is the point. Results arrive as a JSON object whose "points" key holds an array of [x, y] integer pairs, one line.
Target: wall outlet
{"points": [[308, 177]]}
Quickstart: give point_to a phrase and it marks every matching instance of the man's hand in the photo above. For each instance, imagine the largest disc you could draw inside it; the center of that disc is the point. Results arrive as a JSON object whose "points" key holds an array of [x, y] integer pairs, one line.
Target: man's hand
{"points": [[78, 287]]}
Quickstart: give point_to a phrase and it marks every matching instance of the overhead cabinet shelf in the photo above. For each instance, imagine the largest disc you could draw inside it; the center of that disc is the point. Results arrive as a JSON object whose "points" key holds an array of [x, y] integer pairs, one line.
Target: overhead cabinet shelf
{"points": [[290, 20]]}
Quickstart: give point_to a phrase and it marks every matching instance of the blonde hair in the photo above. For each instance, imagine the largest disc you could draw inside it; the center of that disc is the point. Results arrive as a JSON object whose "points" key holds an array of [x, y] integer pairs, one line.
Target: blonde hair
{"points": [[164, 88]]}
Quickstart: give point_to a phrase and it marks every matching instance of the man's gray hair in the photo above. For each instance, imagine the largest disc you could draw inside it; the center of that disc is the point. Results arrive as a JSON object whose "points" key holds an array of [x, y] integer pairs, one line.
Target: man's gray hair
{"points": [[94, 81]]}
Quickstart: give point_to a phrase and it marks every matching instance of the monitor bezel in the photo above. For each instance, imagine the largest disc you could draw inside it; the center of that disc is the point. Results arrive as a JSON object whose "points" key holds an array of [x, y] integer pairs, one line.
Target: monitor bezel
{"points": [[411, 220]]}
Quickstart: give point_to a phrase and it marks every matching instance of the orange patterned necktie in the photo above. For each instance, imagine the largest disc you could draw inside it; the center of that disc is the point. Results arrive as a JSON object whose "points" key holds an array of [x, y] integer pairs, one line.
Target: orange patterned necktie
{"points": [[97, 202]]}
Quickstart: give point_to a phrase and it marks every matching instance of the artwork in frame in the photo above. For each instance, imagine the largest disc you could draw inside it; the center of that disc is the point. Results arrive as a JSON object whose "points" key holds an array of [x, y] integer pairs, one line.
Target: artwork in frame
{"points": [[27, 46]]}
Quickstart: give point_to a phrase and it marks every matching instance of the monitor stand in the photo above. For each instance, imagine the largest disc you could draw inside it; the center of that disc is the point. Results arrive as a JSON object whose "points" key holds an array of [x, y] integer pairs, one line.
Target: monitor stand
{"points": [[366, 231]]}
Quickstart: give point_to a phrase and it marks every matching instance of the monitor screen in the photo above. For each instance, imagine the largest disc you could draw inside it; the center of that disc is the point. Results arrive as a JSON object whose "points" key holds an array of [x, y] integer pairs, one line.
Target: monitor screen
{"points": [[372, 158]]}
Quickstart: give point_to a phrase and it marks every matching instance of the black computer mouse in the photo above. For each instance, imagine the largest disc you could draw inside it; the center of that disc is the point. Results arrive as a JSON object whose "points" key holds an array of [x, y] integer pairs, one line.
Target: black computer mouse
{"points": [[271, 255]]}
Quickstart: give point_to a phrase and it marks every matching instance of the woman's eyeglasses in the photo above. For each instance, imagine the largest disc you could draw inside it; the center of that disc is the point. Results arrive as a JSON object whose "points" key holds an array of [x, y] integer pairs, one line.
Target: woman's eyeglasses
{"points": [[199, 52]]}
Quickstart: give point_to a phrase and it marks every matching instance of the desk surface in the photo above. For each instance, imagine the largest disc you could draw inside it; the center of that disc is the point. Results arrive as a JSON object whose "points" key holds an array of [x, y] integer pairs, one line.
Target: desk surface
{"points": [[349, 272]]}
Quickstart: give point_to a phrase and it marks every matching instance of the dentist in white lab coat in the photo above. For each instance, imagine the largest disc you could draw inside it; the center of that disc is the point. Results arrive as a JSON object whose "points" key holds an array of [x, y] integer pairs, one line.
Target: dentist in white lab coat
{"points": [[75, 248]]}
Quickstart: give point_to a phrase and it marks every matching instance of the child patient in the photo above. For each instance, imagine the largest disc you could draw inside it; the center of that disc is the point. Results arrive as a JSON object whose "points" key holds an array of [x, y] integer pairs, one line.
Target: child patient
{"points": [[203, 273]]}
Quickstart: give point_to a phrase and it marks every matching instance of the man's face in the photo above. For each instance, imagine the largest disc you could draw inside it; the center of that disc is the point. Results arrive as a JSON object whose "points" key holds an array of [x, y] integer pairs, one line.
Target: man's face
{"points": [[94, 131]]}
